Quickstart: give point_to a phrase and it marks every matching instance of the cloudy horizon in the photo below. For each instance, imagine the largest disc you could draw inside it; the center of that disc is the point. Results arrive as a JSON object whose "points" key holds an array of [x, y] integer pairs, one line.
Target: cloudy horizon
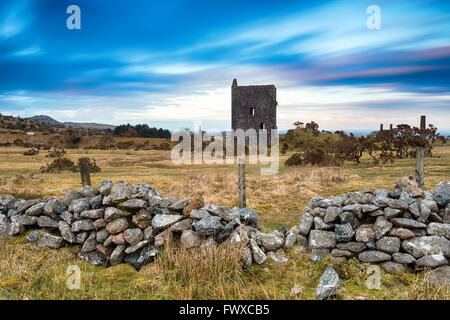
{"points": [[170, 64]]}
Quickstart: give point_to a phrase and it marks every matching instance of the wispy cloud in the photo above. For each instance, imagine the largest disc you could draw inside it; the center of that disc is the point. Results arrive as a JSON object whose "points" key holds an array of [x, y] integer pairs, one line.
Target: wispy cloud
{"points": [[175, 65], [14, 18], [29, 51]]}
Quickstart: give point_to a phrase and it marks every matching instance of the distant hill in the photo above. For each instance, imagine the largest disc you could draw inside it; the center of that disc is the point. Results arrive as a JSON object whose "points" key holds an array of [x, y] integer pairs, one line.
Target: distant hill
{"points": [[77, 125], [16, 123], [46, 119], [93, 125]]}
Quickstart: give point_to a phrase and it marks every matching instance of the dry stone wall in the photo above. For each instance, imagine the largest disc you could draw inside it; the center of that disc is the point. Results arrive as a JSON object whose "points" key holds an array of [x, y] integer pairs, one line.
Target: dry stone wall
{"points": [[402, 227], [125, 223]]}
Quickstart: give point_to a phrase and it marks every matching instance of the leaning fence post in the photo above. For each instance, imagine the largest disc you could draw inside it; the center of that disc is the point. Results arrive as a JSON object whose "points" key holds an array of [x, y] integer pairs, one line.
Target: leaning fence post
{"points": [[83, 163], [420, 155], [242, 196]]}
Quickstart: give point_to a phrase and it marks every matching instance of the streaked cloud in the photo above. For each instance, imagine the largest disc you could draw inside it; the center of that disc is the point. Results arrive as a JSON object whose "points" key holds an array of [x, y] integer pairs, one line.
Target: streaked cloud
{"points": [[172, 63], [13, 18], [29, 51]]}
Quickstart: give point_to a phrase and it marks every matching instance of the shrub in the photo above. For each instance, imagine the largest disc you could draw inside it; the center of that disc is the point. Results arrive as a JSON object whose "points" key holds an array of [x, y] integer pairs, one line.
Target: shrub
{"points": [[284, 148], [316, 156], [75, 140], [18, 142], [60, 165], [93, 166], [125, 145], [295, 160], [164, 146], [56, 153], [31, 152], [106, 142], [65, 164]]}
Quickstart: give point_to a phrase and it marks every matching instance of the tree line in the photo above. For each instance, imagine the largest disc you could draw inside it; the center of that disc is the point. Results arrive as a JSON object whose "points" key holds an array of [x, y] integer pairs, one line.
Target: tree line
{"points": [[140, 130]]}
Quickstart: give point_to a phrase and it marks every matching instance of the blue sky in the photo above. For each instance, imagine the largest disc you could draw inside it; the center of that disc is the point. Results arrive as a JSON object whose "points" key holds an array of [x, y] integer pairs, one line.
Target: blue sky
{"points": [[171, 63]]}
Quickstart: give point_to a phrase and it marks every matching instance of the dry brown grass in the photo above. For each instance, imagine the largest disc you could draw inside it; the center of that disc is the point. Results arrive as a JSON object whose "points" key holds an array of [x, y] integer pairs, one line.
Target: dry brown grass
{"points": [[15, 187], [211, 185], [85, 141], [178, 273], [217, 186], [423, 289], [134, 158], [278, 199], [31, 272], [202, 273], [285, 190]]}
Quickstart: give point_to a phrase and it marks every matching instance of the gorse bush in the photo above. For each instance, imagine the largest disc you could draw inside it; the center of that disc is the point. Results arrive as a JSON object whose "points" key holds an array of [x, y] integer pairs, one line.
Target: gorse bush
{"points": [[64, 164], [93, 167], [284, 148], [316, 156], [295, 160], [56, 153], [31, 152], [60, 165]]}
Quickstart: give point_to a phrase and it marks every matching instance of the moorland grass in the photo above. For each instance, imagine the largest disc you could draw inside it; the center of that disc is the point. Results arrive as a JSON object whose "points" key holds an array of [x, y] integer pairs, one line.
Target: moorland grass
{"points": [[31, 272]]}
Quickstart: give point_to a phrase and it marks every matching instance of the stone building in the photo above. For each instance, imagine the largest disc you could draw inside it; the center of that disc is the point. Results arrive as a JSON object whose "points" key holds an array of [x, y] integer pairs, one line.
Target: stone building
{"points": [[253, 107]]}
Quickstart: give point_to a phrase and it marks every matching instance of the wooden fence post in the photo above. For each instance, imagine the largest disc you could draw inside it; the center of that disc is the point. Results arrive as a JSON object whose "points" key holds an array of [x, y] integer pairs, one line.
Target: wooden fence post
{"points": [[420, 155], [381, 127], [242, 196], [84, 171], [391, 127]]}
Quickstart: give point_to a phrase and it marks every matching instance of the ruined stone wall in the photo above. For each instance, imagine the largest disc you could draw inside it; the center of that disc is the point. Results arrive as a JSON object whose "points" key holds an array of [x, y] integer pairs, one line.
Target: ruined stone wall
{"points": [[404, 228]]}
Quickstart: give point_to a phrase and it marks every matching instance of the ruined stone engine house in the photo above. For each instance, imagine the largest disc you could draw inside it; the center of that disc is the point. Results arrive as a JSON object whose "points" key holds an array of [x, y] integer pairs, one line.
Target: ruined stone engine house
{"points": [[253, 107]]}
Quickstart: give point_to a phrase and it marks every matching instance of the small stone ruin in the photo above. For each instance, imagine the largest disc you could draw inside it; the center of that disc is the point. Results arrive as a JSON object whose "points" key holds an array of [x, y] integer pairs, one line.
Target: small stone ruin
{"points": [[125, 223]]}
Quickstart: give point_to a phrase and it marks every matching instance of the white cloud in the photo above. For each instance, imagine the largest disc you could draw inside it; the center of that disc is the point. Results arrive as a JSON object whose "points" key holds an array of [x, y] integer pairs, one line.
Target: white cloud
{"points": [[209, 104], [29, 51], [167, 68], [11, 26], [16, 20]]}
